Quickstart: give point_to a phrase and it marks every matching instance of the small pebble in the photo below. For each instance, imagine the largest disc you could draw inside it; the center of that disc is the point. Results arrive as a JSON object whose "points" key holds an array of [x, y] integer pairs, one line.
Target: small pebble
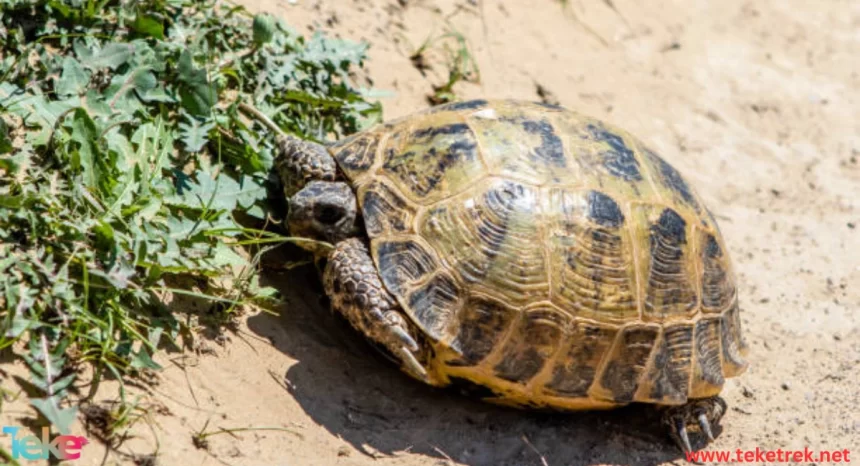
{"points": [[784, 386]]}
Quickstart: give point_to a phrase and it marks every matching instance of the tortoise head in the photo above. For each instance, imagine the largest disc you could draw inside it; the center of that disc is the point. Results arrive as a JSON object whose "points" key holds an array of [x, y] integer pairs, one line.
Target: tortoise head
{"points": [[322, 207], [324, 211]]}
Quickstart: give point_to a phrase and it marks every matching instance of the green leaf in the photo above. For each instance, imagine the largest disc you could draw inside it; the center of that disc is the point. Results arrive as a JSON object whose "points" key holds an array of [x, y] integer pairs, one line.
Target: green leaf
{"points": [[144, 81], [96, 105], [225, 256], [118, 144], [157, 94], [196, 93], [266, 292], [83, 51], [195, 134], [74, 78], [142, 360], [61, 418], [19, 325], [150, 210], [39, 112], [5, 140], [120, 276], [56, 387], [84, 132], [250, 192], [121, 92], [104, 234], [61, 385], [154, 337], [219, 193], [223, 190], [322, 49], [112, 56], [181, 228], [148, 26], [61, 7]]}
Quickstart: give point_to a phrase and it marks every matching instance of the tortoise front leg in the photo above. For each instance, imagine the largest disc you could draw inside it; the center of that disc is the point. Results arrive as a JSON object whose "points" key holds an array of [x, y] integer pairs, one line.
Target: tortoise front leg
{"points": [[356, 291]]}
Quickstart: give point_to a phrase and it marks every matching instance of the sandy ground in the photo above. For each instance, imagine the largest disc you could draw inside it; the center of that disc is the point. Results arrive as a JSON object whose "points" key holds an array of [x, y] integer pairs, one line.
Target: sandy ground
{"points": [[755, 102]]}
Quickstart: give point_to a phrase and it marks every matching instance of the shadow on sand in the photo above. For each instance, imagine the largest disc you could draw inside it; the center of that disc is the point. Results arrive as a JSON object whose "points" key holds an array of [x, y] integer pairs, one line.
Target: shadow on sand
{"points": [[351, 390]]}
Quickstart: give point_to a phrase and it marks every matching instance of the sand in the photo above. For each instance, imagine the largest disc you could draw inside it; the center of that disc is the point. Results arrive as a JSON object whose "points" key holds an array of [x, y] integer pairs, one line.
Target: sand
{"points": [[756, 103]]}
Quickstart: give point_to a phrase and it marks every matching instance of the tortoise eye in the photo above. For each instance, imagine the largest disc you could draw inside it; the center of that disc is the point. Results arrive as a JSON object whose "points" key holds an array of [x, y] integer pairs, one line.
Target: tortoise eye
{"points": [[328, 214]]}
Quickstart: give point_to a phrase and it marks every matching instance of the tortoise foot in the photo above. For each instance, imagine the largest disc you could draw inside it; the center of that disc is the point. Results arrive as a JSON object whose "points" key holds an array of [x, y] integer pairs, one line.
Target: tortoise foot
{"points": [[356, 291], [696, 416]]}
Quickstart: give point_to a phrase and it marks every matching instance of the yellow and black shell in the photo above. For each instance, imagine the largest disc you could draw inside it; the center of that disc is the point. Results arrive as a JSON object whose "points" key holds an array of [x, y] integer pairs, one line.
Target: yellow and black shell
{"points": [[547, 256]]}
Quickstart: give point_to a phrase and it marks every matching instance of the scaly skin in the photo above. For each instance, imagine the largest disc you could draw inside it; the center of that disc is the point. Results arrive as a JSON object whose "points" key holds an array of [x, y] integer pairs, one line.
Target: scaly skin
{"points": [[356, 291], [302, 161]]}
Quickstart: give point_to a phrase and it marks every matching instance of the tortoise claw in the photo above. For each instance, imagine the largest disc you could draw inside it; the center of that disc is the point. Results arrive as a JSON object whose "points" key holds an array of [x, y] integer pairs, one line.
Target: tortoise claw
{"points": [[683, 439], [411, 362], [700, 414], [404, 337], [405, 345], [706, 426]]}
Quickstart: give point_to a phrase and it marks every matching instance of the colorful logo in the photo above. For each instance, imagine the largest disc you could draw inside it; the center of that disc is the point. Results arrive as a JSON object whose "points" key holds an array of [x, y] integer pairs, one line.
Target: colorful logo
{"points": [[62, 447]]}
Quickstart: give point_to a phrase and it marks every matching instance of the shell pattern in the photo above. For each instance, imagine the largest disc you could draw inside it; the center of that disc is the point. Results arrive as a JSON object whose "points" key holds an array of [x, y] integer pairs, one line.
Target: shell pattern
{"points": [[549, 258]]}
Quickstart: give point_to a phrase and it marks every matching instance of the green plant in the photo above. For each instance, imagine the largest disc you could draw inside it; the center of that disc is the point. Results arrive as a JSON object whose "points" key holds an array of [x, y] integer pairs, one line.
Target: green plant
{"points": [[199, 439], [459, 63], [123, 159], [112, 422]]}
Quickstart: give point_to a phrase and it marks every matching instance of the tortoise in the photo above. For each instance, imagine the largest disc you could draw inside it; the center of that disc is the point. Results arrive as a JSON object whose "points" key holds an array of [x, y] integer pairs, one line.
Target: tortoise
{"points": [[542, 257]]}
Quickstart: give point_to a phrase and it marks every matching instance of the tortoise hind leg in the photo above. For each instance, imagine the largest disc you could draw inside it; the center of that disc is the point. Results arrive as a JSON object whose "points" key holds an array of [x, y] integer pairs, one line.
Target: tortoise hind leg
{"points": [[701, 414], [356, 290]]}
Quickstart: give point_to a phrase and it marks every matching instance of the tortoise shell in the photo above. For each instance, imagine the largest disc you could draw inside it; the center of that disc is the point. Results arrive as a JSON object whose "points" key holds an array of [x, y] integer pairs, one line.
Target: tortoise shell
{"points": [[547, 256]]}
